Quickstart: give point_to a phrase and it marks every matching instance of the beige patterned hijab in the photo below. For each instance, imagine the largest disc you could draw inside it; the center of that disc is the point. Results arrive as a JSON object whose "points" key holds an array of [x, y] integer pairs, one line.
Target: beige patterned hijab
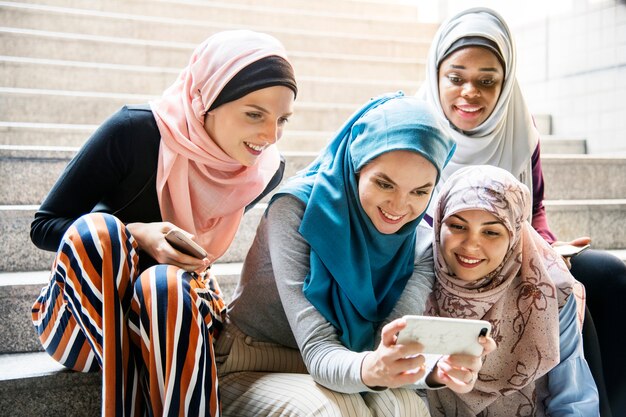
{"points": [[521, 298]]}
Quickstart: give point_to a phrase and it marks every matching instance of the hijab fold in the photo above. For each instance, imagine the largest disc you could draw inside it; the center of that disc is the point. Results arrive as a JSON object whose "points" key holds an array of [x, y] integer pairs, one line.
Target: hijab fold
{"points": [[508, 138], [521, 298], [357, 273], [200, 188]]}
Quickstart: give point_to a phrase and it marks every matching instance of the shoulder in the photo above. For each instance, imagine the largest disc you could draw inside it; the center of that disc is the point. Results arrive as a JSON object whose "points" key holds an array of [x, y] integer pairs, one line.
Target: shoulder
{"points": [[285, 206], [423, 243]]}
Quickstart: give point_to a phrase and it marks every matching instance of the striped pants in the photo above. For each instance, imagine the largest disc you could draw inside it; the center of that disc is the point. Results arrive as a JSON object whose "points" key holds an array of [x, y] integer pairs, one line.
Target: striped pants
{"points": [[265, 379], [151, 334]]}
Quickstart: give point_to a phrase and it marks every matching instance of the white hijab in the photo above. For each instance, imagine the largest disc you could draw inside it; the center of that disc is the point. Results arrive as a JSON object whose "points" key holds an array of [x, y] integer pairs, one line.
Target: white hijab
{"points": [[508, 138]]}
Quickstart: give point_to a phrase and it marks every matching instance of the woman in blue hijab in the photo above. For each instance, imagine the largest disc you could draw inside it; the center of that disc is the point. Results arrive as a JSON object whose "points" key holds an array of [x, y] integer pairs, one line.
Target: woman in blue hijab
{"points": [[337, 259]]}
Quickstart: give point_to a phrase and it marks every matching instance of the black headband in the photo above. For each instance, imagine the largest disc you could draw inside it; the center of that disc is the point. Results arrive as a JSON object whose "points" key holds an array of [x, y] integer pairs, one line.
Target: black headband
{"points": [[266, 72], [475, 41]]}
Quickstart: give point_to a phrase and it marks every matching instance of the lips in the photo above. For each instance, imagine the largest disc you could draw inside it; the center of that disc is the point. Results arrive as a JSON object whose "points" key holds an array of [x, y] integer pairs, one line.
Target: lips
{"points": [[390, 218], [468, 262], [469, 111], [254, 149]]}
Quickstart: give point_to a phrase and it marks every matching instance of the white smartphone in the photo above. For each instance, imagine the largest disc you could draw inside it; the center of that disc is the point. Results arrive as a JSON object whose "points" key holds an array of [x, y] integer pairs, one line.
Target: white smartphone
{"points": [[445, 335], [183, 244], [569, 250]]}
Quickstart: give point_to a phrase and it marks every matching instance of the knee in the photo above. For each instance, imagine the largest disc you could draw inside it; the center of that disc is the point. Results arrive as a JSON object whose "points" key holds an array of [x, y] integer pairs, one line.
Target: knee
{"points": [[164, 283], [96, 230]]}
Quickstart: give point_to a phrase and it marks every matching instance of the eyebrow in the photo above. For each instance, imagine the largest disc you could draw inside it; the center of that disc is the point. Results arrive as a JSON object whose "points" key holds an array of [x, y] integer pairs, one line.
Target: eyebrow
{"points": [[386, 178], [264, 110], [484, 224], [487, 69]]}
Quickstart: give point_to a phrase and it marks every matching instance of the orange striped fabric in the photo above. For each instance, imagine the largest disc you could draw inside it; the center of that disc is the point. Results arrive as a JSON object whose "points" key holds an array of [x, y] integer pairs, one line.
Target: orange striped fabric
{"points": [[150, 334]]}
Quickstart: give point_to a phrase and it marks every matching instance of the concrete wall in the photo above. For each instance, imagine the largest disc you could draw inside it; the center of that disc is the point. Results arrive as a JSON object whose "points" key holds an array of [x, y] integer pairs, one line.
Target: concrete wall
{"points": [[573, 66]]}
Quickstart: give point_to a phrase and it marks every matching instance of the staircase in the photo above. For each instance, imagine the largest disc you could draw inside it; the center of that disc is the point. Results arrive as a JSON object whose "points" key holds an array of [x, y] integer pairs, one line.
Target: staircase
{"points": [[66, 65]]}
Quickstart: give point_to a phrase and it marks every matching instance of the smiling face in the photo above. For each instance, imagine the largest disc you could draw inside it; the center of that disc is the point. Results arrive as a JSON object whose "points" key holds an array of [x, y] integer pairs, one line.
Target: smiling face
{"points": [[244, 128], [395, 188], [470, 82], [473, 243]]}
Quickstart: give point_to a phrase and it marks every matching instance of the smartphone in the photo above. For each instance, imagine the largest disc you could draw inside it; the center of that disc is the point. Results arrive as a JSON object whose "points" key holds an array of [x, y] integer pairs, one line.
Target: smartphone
{"points": [[182, 243], [445, 335], [569, 250]]}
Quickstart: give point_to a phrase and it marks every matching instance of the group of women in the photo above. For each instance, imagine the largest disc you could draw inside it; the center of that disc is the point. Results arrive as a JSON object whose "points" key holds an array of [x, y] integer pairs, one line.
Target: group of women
{"points": [[427, 205]]}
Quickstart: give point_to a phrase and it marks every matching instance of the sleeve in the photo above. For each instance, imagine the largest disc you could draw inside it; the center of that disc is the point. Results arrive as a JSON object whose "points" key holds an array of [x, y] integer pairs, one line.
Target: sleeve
{"points": [[328, 361], [572, 391], [539, 219], [93, 173]]}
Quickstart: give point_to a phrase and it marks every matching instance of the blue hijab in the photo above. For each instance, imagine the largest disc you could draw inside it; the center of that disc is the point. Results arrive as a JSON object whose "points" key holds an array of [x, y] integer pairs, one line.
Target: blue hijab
{"points": [[357, 273]]}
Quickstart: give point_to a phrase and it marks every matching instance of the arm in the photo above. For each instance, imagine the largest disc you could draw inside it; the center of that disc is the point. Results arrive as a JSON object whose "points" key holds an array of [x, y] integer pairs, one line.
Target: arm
{"points": [[571, 386], [539, 219], [328, 361]]}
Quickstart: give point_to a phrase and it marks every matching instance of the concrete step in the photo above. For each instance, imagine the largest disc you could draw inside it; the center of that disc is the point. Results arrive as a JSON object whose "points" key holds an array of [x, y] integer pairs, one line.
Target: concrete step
{"points": [[67, 107], [34, 73], [114, 50], [71, 135], [33, 384], [17, 252], [57, 19], [554, 144], [375, 17], [381, 9], [18, 291], [603, 220], [30, 172]]}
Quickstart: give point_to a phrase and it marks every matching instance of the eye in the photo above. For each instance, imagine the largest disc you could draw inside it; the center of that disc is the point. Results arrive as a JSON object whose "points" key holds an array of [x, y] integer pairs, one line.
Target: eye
{"points": [[492, 233], [487, 83], [420, 192], [383, 185], [455, 79], [254, 115], [455, 226], [283, 121]]}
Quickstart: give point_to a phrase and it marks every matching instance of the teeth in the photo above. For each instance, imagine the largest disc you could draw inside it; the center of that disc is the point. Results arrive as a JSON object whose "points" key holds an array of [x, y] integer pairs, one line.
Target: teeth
{"points": [[468, 261], [469, 110], [390, 216], [257, 148]]}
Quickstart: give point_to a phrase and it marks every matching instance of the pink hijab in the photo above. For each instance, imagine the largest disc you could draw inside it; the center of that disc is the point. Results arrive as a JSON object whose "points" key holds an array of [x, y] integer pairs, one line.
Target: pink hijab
{"points": [[521, 298], [200, 188]]}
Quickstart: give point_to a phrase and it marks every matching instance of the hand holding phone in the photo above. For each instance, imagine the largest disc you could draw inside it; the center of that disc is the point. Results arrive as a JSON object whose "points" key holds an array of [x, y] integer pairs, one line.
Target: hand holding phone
{"points": [[182, 243], [445, 335]]}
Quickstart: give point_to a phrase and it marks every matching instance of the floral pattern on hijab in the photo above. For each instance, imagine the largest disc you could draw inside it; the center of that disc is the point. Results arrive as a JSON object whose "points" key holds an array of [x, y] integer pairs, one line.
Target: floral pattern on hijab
{"points": [[521, 298]]}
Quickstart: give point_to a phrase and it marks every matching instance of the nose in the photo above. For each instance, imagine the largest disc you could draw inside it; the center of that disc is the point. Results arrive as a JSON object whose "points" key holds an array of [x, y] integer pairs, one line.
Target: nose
{"points": [[271, 132], [472, 241], [470, 90], [398, 202]]}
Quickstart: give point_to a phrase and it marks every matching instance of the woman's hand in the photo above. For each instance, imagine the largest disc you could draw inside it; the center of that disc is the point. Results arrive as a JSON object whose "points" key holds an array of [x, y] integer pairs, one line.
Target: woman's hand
{"points": [[581, 241], [460, 372], [392, 365], [150, 238]]}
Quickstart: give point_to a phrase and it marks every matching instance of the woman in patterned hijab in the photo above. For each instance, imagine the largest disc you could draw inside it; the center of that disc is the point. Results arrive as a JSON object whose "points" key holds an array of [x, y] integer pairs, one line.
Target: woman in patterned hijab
{"points": [[490, 264]]}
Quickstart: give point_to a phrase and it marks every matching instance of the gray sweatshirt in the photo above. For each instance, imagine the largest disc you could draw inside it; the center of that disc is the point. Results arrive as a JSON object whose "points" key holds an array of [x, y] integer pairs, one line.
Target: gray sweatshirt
{"points": [[270, 306]]}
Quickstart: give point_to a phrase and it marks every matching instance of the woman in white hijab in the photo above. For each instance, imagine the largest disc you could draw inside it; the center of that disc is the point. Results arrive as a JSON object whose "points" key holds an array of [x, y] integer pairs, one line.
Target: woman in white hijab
{"points": [[471, 83]]}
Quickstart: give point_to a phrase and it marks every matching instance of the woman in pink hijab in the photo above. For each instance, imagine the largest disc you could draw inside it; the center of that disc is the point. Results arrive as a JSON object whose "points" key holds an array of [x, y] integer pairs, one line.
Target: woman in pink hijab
{"points": [[121, 298]]}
